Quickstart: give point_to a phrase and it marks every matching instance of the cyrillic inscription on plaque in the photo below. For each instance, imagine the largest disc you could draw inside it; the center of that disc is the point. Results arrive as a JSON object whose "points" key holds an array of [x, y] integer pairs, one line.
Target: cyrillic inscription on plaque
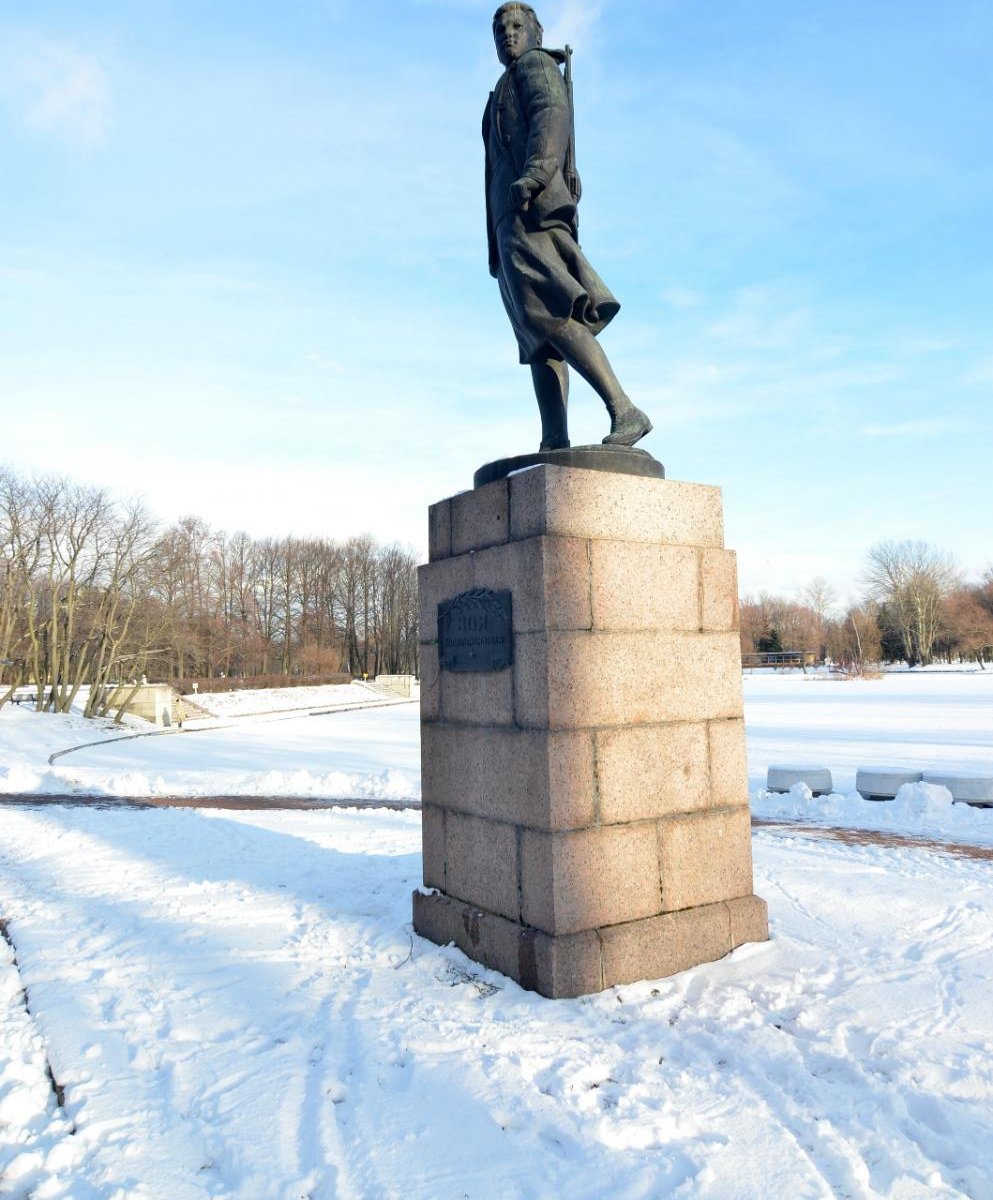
{"points": [[475, 631]]}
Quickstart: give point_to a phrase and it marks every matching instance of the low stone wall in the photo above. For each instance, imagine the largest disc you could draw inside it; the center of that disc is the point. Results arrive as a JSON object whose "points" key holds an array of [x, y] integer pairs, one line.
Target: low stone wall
{"points": [[403, 685], [151, 701]]}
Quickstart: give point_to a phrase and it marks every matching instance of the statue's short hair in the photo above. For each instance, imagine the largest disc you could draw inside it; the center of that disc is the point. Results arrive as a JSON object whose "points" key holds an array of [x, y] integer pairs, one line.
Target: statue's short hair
{"points": [[528, 11]]}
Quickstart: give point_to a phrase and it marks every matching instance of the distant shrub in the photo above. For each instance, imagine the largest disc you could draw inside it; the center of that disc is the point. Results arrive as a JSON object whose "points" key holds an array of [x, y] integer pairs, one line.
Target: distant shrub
{"points": [[256, 682], [857, 671]]}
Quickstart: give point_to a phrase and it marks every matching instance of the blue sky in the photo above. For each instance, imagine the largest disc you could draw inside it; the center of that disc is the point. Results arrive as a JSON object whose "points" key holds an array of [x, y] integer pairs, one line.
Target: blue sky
{"points": [[243, 263]]}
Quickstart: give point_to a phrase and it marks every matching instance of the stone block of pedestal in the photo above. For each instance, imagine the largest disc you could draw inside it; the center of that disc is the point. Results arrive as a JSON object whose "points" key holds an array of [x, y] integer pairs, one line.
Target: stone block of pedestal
{"points": [[586, 816]]}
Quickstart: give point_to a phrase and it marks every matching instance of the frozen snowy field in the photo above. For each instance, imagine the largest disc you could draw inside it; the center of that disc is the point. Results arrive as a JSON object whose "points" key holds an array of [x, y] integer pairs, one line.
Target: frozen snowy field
{"points": [[930, 718], [367, 753], [235, 1008]]}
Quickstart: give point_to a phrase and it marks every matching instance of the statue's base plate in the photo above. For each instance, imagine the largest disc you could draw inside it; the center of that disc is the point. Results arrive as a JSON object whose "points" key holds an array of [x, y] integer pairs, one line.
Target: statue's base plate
{"points": [[621, 460]]}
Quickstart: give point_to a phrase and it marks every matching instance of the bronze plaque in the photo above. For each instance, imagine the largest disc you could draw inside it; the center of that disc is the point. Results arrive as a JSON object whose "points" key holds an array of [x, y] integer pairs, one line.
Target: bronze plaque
{"points": [[475, 631]]}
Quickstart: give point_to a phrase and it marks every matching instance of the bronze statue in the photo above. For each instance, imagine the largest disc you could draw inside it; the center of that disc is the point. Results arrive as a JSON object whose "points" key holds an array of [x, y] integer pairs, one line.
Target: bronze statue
{"points": [[555, 300]]}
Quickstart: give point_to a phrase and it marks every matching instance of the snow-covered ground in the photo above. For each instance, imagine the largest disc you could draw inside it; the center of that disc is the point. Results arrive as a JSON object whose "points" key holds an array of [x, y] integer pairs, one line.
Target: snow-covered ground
{"points": [[251, 701], [925, 719], [920, 719], [235, 1006], [916, 719], [340, 751]]}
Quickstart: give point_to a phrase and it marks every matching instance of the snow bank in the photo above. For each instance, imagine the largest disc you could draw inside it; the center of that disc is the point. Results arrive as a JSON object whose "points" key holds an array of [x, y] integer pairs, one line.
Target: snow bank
{"points": [[28, 738], [924, 809]]}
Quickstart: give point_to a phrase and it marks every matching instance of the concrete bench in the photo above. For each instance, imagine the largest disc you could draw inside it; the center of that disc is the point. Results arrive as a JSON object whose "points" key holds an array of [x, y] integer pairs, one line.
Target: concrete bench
{"points": [[782, 778], [883, 783], [970, 787]]}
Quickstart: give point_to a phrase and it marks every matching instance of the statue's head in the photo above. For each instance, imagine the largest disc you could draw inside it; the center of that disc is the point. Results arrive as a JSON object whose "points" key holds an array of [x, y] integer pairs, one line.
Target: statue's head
{"points": [[516, 29]]}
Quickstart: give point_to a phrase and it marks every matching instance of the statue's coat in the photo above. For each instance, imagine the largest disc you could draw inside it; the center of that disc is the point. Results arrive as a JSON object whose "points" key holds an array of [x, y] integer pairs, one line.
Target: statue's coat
{"points": [[545, 279]]}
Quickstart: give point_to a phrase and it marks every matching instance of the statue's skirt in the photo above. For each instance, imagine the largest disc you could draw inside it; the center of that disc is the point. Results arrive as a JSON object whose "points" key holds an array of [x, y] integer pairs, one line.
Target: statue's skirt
{"points": [[546, 280]]}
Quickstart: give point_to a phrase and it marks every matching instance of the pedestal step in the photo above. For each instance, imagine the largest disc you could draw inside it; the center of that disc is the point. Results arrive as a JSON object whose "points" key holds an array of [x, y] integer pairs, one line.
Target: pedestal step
{"points": [[593, 959]]}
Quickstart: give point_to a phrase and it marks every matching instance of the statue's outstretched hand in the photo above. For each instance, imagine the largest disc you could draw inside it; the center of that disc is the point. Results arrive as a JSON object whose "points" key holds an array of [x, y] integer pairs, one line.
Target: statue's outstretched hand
{"points": [[522, 190]]}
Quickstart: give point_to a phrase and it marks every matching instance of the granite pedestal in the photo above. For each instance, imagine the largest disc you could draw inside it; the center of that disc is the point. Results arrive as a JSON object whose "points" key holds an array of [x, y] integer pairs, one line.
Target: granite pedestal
{"points": [[585, 809]]}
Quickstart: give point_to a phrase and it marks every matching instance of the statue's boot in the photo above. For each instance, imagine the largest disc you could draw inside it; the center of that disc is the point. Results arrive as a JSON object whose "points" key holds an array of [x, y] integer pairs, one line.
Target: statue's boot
{"points": [[554, 429], [628, 427]]}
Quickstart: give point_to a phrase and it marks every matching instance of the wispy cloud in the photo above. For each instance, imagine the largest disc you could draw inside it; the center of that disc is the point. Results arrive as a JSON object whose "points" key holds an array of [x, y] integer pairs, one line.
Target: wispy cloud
{"points": [[58, 89], [981, 374], [773, 316], [922, 427], [572, 21], [681, 297]]}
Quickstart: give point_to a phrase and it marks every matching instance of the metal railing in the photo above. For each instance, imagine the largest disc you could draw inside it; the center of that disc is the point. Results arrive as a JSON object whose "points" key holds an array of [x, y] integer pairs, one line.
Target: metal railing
{"points": [[781, 659]]}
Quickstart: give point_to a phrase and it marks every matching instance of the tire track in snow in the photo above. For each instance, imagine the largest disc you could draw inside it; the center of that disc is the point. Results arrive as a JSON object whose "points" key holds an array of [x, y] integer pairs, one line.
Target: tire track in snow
{"points": [[900, 1103], [326, 1121], [156, 994]]}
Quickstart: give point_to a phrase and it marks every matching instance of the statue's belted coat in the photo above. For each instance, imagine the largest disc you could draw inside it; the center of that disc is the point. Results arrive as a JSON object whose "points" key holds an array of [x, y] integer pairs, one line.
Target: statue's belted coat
{"points": [[545, 279]]}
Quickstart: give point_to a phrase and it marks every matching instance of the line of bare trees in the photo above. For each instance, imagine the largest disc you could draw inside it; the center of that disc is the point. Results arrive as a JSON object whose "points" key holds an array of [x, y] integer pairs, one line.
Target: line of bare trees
{"points": [[915, 607], [92, 593]]}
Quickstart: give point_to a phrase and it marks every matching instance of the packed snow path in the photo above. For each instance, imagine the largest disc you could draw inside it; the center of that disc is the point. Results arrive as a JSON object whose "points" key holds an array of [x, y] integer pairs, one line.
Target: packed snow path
{"points": [[236, 1008]]}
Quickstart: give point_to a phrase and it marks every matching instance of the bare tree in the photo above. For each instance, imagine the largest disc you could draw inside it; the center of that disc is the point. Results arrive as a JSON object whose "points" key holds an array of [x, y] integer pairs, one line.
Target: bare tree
{"points": [[71, 564], [20, 553], [853, 641], [91, 594], [819, 600], [755, 617], [910, 581], [773, 623], [353, 601], [820, 597], [983, 591], [119, 595], [969, 622], [396, 620]]}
